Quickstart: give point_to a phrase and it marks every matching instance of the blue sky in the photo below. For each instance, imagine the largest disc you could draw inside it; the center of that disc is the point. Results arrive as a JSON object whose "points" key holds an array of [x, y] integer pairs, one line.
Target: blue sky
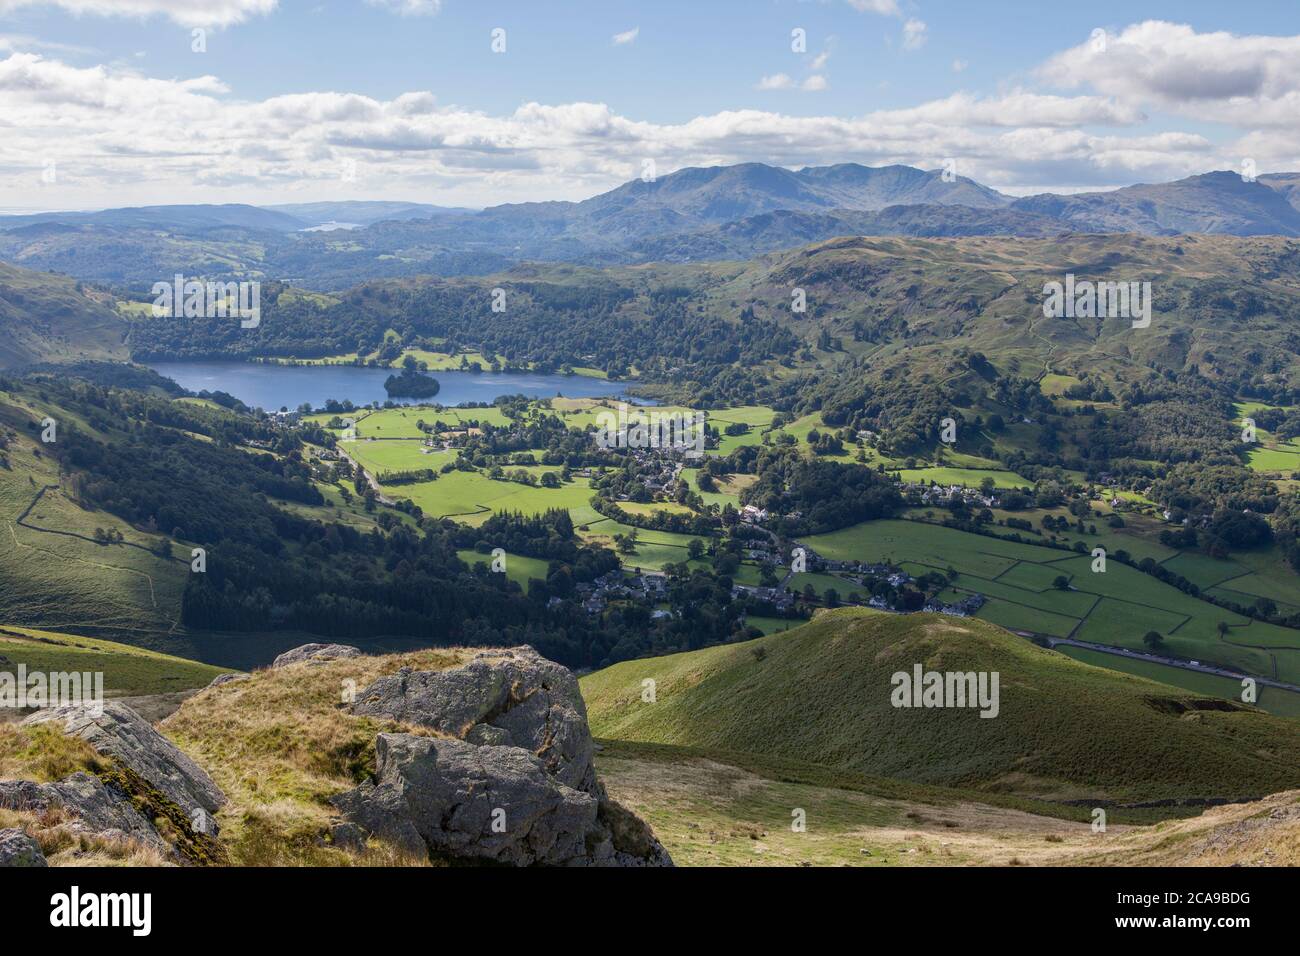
{"points": [[405, 98]]}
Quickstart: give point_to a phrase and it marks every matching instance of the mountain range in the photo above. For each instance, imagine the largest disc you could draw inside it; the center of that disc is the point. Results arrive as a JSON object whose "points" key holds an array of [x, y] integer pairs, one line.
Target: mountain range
{"points": [[722, 212]]}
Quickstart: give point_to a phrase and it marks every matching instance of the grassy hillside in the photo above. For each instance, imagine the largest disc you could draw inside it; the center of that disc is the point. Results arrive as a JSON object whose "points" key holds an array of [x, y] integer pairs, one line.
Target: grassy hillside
{"points": [[1065, 731], [128, 671], [45, 318], [60, 576]]}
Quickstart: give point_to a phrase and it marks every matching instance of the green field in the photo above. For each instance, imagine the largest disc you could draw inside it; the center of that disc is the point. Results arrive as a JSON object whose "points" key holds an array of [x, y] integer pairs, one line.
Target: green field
{"points": [[969, 477], [654, 549], [1272, 699], [519, 568], [773, 625], [1118, 607], [820, 583], [385, 457], [471, 496], [403, 422]]}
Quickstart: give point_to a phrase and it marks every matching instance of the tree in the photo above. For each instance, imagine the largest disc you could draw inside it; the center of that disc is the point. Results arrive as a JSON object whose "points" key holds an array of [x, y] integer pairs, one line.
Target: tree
{"points": [[831, 597], [695, 548], [1153, 640], [1061, 583]]}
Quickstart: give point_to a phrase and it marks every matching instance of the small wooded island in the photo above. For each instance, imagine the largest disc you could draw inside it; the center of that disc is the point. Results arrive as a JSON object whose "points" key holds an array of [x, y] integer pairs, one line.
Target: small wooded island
{"points": [[412, 383]]}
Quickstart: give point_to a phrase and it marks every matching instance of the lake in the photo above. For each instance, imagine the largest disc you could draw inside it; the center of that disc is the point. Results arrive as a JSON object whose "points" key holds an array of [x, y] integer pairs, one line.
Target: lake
{"points": [[271, 387]]}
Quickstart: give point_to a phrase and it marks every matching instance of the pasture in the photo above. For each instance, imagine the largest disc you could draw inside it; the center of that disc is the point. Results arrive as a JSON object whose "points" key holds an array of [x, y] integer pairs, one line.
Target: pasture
{"points": [[1117, 607]]}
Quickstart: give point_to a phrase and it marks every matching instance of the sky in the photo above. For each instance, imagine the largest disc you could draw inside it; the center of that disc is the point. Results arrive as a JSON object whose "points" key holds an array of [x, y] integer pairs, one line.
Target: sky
{"points": [[478, 102]]}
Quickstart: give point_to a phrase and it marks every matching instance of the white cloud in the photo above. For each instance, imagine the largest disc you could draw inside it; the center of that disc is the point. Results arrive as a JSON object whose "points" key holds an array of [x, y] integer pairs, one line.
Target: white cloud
{"points": [[190, 13], [914, 35], [409, 8], [12, 42], [820, 60], [888, 8], [120, 137], [959, 66], [1220, 76], [626, 37], [1017, 109]]}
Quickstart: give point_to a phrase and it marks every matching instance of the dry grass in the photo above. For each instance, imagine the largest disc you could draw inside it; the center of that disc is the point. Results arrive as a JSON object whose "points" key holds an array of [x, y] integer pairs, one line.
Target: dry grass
{"points": [[281, 743], [43, 753], [708, 813], [65, 845]]}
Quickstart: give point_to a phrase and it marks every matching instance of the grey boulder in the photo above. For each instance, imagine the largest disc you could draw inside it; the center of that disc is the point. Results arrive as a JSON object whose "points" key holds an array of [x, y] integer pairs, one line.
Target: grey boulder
{"points": [[446, 797], [509, 697], [231, 678], [95, 807], [126, 737], [511, 780], [18, 849], [319, 653]]}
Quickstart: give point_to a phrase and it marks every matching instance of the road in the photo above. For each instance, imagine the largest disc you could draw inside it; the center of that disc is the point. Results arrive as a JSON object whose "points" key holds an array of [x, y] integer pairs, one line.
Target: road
{"points": [[1170, 662], [383, 499]]}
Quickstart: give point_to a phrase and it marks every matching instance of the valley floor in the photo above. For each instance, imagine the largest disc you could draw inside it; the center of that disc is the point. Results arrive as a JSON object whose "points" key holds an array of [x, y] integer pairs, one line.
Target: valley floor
{"points": [[710, 813]]}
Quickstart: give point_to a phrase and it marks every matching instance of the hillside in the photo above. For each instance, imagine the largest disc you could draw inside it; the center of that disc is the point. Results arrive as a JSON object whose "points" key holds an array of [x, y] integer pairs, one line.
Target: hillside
{"points": [[58, 576], [911, 304], [273, 803], [179, 218], [1220, 202], [720, 809], [51, 318], [1064, 732], [128, 671]]}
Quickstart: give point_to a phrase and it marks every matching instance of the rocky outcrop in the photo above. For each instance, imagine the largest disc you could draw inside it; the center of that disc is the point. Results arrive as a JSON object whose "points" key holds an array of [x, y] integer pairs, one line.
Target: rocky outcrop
{"points": [[452, 798], [231, 678], [512, 698], [18, 849], [92, 805], [317, 653], [122, 734], [511, 779]]}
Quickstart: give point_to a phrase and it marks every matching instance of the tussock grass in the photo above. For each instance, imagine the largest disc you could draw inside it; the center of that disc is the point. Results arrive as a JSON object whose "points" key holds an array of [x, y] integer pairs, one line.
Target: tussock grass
{"points": [[43, 753]]}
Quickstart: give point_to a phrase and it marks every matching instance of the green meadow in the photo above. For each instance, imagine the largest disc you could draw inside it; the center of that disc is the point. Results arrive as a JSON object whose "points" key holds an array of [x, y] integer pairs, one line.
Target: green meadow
{"points": [[471, 496], [385, 457], [518, 567]]}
